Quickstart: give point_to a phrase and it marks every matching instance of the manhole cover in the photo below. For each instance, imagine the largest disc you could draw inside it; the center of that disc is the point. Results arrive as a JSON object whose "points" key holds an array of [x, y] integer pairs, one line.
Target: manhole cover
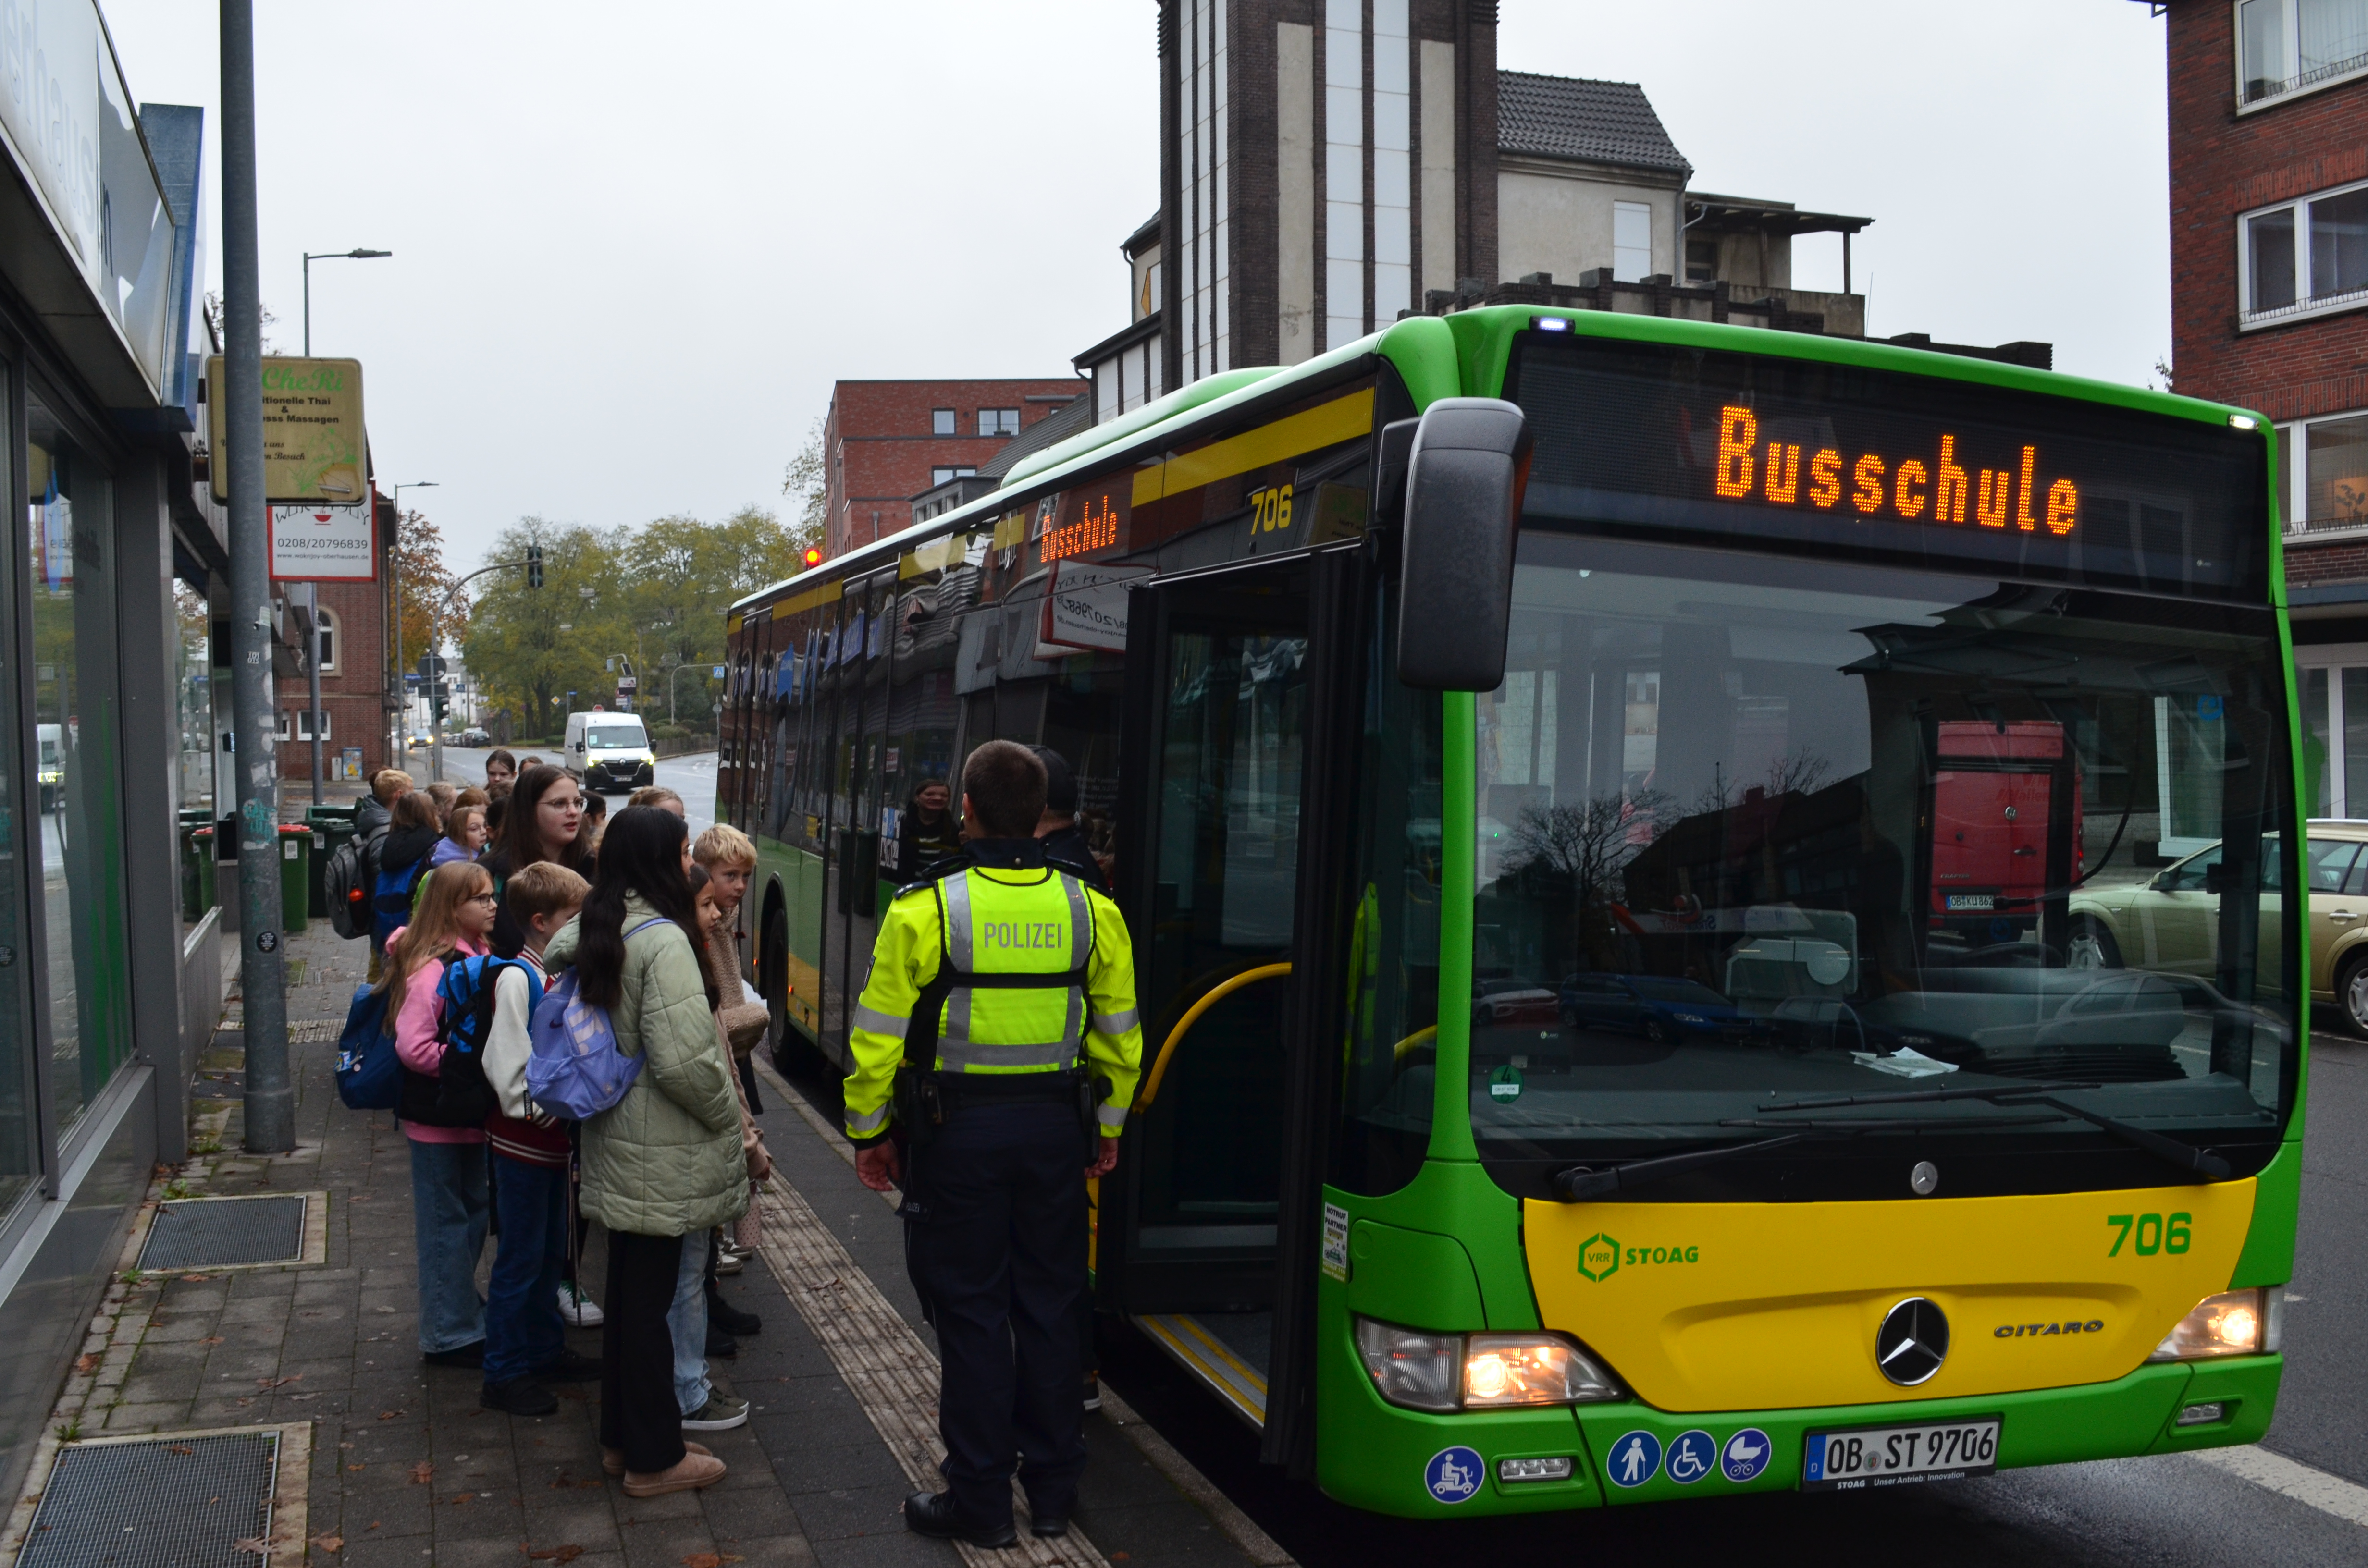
{"points": [[216, 1232], [174, 1503]]}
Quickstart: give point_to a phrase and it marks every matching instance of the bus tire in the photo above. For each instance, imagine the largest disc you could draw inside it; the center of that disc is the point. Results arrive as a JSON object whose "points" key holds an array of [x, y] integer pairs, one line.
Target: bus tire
{"points": [[2093, 945], [2352, 993]]}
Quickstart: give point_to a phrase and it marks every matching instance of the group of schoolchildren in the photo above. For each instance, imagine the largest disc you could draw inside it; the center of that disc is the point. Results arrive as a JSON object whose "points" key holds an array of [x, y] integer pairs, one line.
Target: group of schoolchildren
{"points": [[463, 958]]}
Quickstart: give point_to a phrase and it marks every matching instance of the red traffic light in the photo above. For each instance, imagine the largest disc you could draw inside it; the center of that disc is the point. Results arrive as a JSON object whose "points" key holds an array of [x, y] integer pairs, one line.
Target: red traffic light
{"points": [[813, 555]]}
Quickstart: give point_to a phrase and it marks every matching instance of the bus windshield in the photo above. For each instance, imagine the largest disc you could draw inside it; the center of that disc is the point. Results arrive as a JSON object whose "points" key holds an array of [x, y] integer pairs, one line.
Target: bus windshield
{"points": [[1770, 830]]}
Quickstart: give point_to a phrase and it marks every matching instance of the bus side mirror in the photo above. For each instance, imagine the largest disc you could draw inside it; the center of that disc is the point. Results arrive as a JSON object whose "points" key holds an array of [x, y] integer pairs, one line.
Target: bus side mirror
{"points": [[1465, 477]]}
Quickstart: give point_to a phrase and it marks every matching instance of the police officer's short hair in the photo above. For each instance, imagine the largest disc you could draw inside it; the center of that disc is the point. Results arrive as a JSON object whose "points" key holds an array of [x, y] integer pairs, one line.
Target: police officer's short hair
{"points": [[1006, 786]]}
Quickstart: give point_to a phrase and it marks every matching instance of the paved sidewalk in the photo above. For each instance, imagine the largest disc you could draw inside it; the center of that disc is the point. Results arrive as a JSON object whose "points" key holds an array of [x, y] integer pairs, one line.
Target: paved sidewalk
{"points": [[407, 1468]]}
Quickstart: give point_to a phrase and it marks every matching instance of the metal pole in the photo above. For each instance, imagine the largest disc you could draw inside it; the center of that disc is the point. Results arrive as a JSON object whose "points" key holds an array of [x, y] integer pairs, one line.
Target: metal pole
{"points": [[308, 307], [313, 662], [401, 691], [270, 1098]]}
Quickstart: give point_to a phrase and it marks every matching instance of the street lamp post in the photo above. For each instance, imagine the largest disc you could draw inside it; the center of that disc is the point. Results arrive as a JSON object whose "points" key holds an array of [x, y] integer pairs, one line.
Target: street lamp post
{"points": [[674, 691], [395, 607], [311, 256]]}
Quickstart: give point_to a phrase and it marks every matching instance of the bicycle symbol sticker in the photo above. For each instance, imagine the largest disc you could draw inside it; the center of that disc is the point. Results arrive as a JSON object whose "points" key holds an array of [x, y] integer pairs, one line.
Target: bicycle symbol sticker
{"points": [[1636, 1459], [1452, 1475], [1692, 1455]]}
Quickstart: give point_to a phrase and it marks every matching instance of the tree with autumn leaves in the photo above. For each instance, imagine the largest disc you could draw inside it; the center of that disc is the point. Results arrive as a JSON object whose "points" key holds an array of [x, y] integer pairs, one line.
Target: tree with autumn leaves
{"points": [[657, 593]]}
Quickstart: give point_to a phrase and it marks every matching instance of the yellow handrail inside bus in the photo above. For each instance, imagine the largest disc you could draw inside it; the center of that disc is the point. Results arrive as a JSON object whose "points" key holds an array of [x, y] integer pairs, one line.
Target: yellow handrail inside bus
{"points": [[1420, 1036], [1216, 994]]}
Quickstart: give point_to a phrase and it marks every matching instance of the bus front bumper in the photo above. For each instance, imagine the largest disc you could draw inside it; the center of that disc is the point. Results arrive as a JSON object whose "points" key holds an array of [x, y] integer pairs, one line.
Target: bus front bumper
{"points": [[1392, 1460]]}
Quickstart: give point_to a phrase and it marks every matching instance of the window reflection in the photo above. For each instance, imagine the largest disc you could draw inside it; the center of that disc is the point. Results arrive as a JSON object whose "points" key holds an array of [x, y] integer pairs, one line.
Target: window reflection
{"points": [[75, 730], [1750, 830]]}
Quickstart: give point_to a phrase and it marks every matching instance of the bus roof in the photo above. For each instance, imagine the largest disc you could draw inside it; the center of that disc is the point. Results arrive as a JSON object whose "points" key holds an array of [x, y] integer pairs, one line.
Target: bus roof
{"points": [[1449, 354]]}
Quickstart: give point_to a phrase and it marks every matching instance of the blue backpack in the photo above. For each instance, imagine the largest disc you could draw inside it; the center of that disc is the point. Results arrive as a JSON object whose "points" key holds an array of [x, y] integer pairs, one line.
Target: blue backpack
{"points": [[369, 1075], [457, 1094], [576, 1070], [390, 898]]}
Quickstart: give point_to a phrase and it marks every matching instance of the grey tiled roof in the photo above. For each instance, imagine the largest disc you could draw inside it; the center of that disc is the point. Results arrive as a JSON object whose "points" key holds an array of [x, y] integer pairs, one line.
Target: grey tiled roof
{"points": [[1571, 116], [1054, 428]]}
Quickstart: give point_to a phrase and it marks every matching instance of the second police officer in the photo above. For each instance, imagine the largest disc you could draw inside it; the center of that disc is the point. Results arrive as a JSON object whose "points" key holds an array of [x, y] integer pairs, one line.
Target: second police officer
{"points": [[998, 1027]]}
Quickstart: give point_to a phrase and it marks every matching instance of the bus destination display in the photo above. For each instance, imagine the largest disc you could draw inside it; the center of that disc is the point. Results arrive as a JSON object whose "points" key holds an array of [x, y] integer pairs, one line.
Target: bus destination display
{"points": [[1666, 439]]}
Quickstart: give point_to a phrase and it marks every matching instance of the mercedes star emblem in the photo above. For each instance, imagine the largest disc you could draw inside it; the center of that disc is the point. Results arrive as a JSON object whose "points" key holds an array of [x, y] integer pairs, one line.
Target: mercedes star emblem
{"points": [[1912, 1343]]}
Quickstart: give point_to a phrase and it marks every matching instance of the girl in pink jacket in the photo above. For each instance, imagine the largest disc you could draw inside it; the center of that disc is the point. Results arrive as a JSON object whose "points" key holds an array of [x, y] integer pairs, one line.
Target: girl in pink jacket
{"points": [[448, 1197]]}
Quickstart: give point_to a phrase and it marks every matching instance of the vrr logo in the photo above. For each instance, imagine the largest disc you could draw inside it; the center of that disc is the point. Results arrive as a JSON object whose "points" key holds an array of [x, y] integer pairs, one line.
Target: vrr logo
{"points": [[1598, 1257]]}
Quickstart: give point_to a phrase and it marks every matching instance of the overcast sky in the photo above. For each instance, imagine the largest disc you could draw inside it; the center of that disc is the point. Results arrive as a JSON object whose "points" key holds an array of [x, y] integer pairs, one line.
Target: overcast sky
{"points": [[635, 246]]}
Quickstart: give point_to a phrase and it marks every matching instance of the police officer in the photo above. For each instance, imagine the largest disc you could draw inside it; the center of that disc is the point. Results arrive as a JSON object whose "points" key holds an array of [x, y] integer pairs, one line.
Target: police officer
{"points": [[1006, 989]]}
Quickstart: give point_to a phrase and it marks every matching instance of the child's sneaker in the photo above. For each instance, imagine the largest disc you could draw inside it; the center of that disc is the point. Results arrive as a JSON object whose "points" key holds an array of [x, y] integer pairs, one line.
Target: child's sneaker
{"points": [[580, 1310]]}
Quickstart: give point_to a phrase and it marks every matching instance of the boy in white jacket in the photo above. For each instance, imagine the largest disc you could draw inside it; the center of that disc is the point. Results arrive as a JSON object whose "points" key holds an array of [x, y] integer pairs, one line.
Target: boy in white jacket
{"points": [[524, 1338]]}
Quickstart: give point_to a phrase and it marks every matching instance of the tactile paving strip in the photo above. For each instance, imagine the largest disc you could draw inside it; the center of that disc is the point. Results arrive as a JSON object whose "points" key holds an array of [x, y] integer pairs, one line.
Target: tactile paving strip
{"points": [[217, 1232], [174, 1503]]}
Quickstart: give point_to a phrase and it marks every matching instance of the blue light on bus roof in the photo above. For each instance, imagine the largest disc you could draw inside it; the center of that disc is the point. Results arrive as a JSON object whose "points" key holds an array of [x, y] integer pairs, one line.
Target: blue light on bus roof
{"points": [[1551, 323]]}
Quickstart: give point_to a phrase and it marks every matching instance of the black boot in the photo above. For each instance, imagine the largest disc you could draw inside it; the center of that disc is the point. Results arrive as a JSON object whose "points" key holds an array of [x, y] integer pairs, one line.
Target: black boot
{"points": [[932, 1513], [729, 1318]]}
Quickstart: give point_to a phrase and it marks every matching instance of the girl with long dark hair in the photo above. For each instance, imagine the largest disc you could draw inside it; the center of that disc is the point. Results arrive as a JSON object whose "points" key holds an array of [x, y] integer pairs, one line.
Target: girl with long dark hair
{"points": [[543, 820], [665, 1163]]}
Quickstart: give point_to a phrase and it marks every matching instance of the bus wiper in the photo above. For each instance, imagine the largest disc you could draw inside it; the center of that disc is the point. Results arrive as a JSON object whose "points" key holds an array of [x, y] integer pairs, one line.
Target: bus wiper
{"points": [[1581, 1183], [2186, 1156]]}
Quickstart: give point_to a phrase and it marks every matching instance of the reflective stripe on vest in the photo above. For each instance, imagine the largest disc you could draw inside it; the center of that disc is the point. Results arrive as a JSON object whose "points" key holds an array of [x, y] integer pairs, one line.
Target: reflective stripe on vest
{"points": [[1012, 994]]}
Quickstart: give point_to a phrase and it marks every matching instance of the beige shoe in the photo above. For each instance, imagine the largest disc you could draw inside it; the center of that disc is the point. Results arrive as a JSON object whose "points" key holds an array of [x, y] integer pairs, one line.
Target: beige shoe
{"points": [[695, 1471], [612, 1460]]}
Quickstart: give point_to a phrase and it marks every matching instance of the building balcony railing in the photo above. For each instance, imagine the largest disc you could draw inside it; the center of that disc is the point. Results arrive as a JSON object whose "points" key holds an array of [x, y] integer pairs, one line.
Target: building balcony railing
{"points": [[2302, 309], [2261, 92]]}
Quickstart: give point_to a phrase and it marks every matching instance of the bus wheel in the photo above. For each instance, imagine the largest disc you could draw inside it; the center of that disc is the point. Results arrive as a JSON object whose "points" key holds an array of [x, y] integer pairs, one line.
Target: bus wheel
{"points": [[2351, 995], [2092, 947]]}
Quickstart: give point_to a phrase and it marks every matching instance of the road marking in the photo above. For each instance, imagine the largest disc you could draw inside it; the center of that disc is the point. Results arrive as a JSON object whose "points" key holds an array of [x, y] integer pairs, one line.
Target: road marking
{"points": [[2312, 1488]]}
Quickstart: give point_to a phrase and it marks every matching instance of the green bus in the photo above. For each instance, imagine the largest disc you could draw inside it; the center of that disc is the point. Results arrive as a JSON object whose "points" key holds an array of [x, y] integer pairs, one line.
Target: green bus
{"points": [[1717, 910]]}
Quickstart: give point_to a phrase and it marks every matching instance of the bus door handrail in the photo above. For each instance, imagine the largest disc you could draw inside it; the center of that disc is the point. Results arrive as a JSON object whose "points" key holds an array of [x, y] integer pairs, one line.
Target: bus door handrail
{"points": [[1208, 999]]}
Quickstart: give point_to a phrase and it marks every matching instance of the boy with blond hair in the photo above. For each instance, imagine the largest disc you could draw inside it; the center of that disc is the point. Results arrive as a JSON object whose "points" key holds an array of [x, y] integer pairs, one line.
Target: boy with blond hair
{"points": [[525, 1342]]}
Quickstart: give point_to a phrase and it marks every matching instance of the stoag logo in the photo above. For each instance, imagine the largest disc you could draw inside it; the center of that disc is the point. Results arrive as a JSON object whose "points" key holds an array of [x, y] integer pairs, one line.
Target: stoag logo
{"points": [[1598, 1255]]}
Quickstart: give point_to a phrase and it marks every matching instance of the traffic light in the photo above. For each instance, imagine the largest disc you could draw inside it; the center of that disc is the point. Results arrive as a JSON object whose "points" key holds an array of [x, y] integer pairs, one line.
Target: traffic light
{"points": [[813, 556], [534, 566]]}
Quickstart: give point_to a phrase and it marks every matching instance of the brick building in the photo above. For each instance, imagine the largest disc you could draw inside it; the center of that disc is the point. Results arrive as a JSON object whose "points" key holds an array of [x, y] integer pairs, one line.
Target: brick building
{"points": [[2269, 234], [886, 442]]}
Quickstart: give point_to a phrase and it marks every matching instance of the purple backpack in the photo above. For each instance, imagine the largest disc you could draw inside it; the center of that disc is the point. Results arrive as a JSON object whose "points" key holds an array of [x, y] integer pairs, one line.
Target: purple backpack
{"points": [[576, 1070]]}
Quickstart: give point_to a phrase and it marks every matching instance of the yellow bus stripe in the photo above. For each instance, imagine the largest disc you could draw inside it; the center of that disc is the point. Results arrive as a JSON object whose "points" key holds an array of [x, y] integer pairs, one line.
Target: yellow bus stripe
{"points": [[1342, 419]]}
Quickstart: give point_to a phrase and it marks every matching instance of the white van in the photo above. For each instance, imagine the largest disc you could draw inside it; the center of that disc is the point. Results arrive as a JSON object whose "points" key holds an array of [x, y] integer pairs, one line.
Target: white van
{"points": [[611, 751]]}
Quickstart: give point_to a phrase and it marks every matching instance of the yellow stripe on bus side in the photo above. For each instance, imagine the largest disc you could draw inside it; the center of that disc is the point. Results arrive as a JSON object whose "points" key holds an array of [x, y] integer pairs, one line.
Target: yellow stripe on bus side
{"points": [[1342, 419], [732, 627], [827, 592]]}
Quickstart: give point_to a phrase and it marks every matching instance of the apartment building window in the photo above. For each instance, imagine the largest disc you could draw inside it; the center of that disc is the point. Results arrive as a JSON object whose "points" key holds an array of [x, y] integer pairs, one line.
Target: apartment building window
{"points": [[941, 422], [2287, 46], [1631, 240], [998, 422], [1702, 261], [940, 475], [2303, 258], [2323, 476]]}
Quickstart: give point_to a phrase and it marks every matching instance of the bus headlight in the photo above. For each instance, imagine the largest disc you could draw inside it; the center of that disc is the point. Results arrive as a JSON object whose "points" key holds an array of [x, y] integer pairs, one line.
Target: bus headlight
{"points": [[2233, 1322], [1478, 1371], [1530, 1369]]}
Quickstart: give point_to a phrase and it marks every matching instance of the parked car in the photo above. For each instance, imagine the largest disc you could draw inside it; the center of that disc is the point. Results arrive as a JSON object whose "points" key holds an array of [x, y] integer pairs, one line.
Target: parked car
{"points": [[1509, 1000], [1661, 1008], [2171, 922]]}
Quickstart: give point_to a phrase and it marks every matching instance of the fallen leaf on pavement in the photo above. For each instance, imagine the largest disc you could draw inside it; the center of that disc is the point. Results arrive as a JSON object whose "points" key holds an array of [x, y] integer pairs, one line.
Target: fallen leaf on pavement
{"points": [[178, 1449], [703, 1560], [255, 1544], [388, 1414], [421, 1472], [373, 1525], [329, 1543], [464, 1497], [86, 1362], [217, 1339], [568, 1553], [275, 1383], [195, 1279]]}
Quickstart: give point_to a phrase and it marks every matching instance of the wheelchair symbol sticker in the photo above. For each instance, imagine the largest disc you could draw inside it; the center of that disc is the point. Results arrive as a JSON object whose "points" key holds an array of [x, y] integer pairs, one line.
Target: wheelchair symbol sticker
{"points": [[1636, 1459], [1746, 1456], [1692, 1455], [1452, 1475]]}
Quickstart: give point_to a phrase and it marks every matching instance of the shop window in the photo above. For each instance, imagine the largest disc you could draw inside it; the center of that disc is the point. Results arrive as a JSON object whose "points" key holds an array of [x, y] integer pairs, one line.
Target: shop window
{"points": [[84, 939]]}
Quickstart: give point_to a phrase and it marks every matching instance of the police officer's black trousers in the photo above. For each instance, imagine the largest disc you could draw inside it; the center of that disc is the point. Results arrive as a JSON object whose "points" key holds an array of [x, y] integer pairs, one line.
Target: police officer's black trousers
{"points": [[999, 1252]]}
